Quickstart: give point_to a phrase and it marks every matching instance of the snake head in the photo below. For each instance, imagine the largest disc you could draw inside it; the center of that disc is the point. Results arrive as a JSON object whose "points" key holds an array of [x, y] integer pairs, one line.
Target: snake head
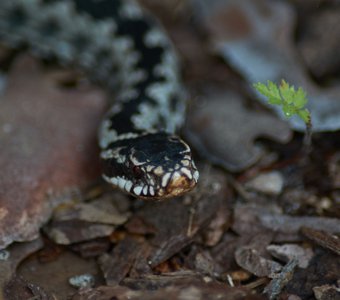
{"points": [[152, 166]]}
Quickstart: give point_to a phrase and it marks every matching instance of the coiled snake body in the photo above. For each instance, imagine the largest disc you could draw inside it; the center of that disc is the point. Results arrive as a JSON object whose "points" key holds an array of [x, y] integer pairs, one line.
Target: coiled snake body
{"points": [[122, 47]]}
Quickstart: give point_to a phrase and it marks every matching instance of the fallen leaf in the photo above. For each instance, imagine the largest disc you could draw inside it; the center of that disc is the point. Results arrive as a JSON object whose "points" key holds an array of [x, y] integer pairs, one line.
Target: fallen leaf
{"points": [[48, 147], [224, 130], [253, 218], [256, 39], [15, 255], [287, 252], [250, 260]]}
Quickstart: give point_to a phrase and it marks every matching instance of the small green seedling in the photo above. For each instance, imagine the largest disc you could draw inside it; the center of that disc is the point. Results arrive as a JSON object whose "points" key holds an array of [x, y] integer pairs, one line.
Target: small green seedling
{"points": [[291, 101]]}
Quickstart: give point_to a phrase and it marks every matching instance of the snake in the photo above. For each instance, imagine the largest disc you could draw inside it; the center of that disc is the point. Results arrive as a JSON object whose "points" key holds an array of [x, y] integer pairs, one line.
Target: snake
{"points": [[124, 48]]}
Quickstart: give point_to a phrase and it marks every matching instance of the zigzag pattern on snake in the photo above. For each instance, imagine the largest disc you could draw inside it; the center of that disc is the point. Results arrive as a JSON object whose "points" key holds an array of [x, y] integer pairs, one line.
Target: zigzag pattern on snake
{"points": [[125, 49]]}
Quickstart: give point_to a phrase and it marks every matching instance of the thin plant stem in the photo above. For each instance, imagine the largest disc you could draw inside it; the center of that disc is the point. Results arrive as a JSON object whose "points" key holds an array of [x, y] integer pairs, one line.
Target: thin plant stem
{"points": [[307, 139]]}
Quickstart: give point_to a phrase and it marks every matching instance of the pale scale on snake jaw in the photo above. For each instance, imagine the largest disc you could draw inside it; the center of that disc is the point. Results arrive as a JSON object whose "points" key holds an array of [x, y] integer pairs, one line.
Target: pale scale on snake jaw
{"points": [[126, 50]]}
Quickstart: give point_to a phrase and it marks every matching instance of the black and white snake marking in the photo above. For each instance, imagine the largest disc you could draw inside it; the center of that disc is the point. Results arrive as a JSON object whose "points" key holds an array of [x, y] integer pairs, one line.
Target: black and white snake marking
{"points": [[122, 47]]}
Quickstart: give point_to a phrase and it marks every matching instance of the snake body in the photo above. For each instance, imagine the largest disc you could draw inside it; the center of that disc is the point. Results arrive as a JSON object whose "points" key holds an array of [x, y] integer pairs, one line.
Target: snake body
{"points": [[125, 49]]}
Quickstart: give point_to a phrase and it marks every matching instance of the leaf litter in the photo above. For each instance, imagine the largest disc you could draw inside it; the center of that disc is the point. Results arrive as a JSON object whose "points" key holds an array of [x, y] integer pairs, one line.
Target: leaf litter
{"points": [[226, 240]]}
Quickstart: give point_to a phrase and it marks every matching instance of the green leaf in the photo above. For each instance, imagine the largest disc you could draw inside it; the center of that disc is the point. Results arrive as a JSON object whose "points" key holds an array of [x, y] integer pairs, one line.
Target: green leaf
{"points": [[270, 91], [275, 93], [304, 115], [292, 101], [288, 110], [300, 99]]}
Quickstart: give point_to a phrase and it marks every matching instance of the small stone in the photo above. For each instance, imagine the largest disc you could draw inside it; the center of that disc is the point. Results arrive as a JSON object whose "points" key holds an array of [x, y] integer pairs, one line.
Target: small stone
{"points": [[270, 183], [82, 281]]}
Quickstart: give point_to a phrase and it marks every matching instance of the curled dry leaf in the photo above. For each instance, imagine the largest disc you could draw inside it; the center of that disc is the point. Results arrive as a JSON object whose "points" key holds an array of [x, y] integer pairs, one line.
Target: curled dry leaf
{"points": [[250, 260], [288, 252]]}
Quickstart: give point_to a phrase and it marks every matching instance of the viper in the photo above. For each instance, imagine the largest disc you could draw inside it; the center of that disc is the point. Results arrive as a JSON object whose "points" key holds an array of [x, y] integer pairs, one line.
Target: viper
{"points": [[122, 47]]}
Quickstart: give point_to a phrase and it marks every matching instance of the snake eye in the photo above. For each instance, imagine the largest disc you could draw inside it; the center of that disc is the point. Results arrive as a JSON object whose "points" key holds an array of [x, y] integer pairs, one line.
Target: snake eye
{"points": [[137, 171]]}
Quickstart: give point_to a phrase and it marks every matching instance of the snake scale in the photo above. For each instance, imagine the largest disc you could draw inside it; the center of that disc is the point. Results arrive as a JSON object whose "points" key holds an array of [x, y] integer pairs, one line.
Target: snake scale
{"points": [[119, 45]]}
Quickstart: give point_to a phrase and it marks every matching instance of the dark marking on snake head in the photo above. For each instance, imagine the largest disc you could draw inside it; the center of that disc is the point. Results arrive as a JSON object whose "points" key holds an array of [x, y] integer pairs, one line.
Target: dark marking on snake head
{"points": [[160, 161]]}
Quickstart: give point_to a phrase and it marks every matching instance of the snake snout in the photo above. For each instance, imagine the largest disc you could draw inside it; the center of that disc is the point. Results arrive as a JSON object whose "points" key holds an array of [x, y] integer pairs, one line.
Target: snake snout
{"points": [[182, 181]]}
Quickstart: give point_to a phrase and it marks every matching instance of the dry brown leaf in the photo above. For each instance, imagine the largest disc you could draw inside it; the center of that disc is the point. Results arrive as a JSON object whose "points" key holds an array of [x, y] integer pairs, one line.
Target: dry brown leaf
{"points": [[48, 146]]}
